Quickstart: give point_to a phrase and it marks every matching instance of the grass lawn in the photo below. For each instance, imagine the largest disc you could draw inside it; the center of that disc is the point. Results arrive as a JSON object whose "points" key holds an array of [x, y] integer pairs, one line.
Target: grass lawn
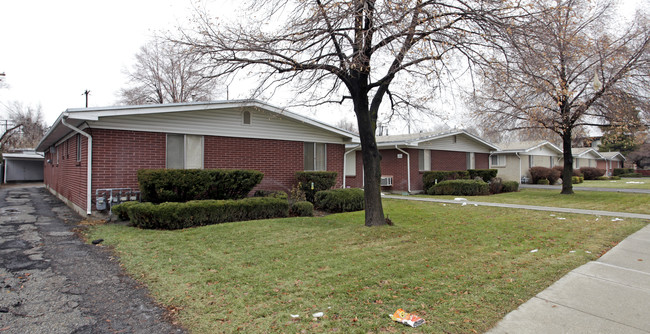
{"points": [[590, 200], [623, 183], [460, 268]]}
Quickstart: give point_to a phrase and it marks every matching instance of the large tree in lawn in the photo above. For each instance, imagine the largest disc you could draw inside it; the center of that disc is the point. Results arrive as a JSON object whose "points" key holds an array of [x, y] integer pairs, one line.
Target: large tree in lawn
{"points": [[363, 51], [561, 69]]}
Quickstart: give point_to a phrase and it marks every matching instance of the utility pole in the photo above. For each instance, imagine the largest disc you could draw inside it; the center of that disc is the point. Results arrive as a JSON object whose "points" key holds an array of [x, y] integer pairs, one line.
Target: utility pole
{"points": [[86, 92]]}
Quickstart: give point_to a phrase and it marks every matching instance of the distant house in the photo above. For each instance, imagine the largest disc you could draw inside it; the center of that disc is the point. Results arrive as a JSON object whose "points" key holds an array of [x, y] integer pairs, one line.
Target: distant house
{"points": [[103, 148], [405, 158], [585, 157], [610, 161], [514, 160], [22, 166]]}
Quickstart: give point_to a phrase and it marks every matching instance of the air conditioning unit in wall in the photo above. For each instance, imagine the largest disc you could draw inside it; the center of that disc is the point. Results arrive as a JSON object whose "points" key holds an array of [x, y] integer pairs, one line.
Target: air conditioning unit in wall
{"points": [[387, 181]]}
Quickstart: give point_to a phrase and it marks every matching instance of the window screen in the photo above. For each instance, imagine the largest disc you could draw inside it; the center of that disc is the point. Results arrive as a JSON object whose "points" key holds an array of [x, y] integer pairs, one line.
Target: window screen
{"points": [[175, 151]]}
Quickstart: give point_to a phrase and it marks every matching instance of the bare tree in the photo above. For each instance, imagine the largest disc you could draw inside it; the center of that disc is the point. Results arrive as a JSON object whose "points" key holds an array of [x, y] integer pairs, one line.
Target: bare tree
{"points": [[28, 127], [363, 51], [561, 66], [165, 72]]}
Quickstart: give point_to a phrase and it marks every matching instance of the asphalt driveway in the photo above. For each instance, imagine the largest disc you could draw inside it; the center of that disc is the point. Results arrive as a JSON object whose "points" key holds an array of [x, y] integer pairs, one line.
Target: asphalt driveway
{"points": [[53, 282]]}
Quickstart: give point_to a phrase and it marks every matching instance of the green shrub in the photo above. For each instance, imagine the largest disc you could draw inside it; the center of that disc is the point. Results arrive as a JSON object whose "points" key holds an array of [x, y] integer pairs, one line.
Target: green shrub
{"points": [[313, 182], [602, 178], [614, 177], [271, 193], [591, 173], [631, 175], [174, 215], [543, 181], [485, 174], [539, 173], [430, 178], [121, 210], [576, 179], [510, 186], [182, 185], [340, 200], [302, 209], [460, 188], [621, 171]]}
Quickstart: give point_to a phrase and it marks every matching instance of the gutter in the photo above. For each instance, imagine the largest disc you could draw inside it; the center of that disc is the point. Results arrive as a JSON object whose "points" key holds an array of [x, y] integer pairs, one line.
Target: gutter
{"points": [[408, 168], [90, 163], [518, 156], [344, 162]]}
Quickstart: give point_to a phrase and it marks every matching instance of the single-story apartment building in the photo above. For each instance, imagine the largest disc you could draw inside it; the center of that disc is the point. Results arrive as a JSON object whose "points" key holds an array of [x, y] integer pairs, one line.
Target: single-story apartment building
{"points": [[405, 158], [513, 160], [585, 157], [610, 161], [88, 149], [22, 166]]}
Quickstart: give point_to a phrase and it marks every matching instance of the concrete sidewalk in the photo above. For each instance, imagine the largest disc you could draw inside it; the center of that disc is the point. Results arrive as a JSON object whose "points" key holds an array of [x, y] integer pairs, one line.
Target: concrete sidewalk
{"points": [[578, 188], [610, 295], [525, 207]]}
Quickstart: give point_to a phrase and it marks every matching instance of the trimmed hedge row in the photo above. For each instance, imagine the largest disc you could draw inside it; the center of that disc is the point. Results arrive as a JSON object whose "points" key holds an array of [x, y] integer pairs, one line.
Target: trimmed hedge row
{"points": [[591, 173], [460, 188], [340, 200], [121, 210], [621, 171], [321, 181], [631, 175], [302, 209], [173, 215], [430, 178], [485, 174], [182, 185]]}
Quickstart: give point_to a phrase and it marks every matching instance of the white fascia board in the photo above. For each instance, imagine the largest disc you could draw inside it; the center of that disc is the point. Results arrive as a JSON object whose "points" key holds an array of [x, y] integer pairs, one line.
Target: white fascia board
{"points": [[461, 132], [545, 143]]}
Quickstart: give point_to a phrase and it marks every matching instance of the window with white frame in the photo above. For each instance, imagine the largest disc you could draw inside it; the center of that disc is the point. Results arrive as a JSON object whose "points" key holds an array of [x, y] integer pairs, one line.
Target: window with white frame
{"points": [[498, 160], [315, 156], [184, 151], [351, 164], [471, 162], [78, 147], [551, 162], [424, 160], [531, 161]]}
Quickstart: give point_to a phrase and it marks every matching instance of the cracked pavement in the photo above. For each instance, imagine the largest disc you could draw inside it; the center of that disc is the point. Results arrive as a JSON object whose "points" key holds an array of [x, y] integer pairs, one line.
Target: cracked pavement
{"points": [[53, 282]]}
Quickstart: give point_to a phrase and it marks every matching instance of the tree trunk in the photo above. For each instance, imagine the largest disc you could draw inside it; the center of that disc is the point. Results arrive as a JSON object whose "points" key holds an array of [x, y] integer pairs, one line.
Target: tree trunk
{"points": [[567, 173], [371, 165]]}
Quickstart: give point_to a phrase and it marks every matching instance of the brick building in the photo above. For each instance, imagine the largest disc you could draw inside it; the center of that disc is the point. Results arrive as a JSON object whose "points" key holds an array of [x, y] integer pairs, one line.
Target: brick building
{"points": [[105, 147], [405, 158]]}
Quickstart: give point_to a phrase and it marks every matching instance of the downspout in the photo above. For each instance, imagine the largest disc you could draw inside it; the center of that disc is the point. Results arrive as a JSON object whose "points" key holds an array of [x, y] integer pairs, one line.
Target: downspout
{"points": [[518, 156], [408, 168], [344, 162], [90, 164]]}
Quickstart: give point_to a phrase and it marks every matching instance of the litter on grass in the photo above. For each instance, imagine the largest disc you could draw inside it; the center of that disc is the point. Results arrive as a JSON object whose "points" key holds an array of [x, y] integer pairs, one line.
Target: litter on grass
{"points": [[634, 182], [552, 215], [295, 315], [464, 203], [406, 318], [588, 252], [572, 251], [317, 314], [534, 251], [460, 199], [617, 219], [561, 218]]}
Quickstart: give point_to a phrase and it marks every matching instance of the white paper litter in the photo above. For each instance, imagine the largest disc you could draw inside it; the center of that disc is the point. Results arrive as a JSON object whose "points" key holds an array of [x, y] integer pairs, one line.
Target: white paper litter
{"points": [[634, 182], [475, 204], [617, 219], [464, 203], [572, 251], [588, 252], [561, 218], [534, 251], [295, 315], [460, 199], [317, 314], [552, 215]]}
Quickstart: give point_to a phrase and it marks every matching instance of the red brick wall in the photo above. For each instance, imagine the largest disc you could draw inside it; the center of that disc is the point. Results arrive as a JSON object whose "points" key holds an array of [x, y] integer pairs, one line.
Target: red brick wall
{"points": [[482, 160], [448, 160], [118, 155]]}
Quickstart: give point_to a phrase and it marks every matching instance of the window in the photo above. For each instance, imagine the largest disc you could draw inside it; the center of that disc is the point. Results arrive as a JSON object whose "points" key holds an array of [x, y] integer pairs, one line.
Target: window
{"points": [[351, 164], [551, 162], [531, 161], [184, 151], [315, 156], [470, 158], [78, 147], [424, 160], [57, 154], [246, 117], [498, 160]]}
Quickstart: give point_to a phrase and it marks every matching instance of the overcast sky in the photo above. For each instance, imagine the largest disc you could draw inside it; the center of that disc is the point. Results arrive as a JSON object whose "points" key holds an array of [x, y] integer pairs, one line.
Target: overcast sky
{"points": [[52, 51]]}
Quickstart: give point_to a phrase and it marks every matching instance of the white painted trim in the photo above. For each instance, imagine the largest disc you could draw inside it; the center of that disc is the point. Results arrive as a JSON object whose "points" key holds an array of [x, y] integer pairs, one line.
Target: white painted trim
{"points": [[408, 168]]}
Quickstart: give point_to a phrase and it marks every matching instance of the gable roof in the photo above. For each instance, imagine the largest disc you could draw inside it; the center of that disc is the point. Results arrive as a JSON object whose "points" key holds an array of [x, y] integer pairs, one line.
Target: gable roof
{"points": [[416, 138], [611, 155], [527, 146], [78, 116], [581, 152]]}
